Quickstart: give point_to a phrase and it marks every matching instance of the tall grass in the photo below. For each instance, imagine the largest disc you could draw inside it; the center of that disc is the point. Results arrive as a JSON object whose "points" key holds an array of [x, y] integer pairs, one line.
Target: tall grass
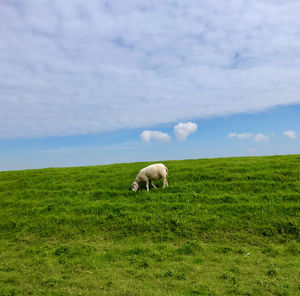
{"points": [[222, 227]]}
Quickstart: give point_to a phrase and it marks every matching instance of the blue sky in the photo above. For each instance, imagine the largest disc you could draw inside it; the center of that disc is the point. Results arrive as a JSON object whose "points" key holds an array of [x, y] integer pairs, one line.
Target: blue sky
{"points": [[94, 82], [126, 145]]}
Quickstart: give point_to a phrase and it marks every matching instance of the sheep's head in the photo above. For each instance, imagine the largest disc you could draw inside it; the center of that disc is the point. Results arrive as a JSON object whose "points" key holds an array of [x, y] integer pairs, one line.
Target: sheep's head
{"points": [[135, 186]]}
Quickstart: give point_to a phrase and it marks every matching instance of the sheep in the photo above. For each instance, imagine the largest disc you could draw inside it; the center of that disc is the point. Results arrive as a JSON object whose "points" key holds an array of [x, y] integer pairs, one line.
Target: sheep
{"points": [[152, 172]]}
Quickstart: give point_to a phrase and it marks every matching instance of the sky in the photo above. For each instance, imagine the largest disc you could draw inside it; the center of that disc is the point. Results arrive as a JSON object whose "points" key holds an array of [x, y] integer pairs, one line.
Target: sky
{"points": [[97, 82]]}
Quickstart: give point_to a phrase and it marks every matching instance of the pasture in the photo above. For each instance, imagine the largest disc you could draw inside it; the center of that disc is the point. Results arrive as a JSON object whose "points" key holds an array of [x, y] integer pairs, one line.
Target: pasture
{"points": [[227, 226]]}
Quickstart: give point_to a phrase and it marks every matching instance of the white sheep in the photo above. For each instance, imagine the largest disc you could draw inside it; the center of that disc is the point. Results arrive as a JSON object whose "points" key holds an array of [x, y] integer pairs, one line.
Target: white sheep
{"points": [[152, 172]]}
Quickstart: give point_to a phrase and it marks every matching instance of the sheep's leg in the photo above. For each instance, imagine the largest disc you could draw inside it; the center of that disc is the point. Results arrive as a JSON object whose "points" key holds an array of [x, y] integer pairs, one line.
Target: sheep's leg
{"points": [[147, 184], [152, 184], [165, 183]]}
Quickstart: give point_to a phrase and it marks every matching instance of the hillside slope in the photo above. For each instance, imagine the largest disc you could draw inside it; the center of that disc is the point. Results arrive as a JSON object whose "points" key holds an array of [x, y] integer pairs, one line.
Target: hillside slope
{"points": [[227, 226]]}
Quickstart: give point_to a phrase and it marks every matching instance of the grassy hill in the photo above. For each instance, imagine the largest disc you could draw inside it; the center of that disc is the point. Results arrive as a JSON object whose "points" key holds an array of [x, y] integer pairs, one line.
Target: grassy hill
{"points": [[223, 227]]}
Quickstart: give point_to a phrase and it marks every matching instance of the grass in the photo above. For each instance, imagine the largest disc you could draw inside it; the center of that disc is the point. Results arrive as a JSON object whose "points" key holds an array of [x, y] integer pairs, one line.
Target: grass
{"points": [[222, 227]]}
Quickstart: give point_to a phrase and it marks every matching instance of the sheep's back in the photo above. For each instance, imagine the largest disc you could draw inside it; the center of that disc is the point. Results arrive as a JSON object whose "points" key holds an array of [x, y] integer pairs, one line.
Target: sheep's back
{"points": [[155, 171]]}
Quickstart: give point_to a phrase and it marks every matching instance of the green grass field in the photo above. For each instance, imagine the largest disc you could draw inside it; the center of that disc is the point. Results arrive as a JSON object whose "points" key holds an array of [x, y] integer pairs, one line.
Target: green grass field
{"points": [[223, 227]]}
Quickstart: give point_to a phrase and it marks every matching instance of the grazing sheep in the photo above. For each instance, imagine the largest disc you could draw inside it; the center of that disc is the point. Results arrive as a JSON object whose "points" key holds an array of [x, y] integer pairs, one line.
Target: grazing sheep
{"points": [[152, 172]]}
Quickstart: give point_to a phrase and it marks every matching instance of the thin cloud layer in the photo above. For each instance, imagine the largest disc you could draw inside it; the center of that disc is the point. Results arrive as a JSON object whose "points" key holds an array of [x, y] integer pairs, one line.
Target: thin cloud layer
{"points": [[183, 130], [291, 134], [240, 136], [261, 138], [147, 136], [73, 67]]}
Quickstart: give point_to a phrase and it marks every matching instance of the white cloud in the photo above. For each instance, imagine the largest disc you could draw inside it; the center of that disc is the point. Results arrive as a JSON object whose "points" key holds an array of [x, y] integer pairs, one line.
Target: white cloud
{"points": [[147, 136], [252, 150], [240, 136], [231, 135], [290, 134], [261, 138], [183, 130], [69, 67]]}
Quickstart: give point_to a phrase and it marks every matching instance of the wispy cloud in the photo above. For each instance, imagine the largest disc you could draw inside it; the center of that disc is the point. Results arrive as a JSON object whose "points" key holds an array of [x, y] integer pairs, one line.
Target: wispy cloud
{"points": [[240, 136], [183, 130], [258, 137], [261, 138], [147, 136], [291, 134], [69, 67]]}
